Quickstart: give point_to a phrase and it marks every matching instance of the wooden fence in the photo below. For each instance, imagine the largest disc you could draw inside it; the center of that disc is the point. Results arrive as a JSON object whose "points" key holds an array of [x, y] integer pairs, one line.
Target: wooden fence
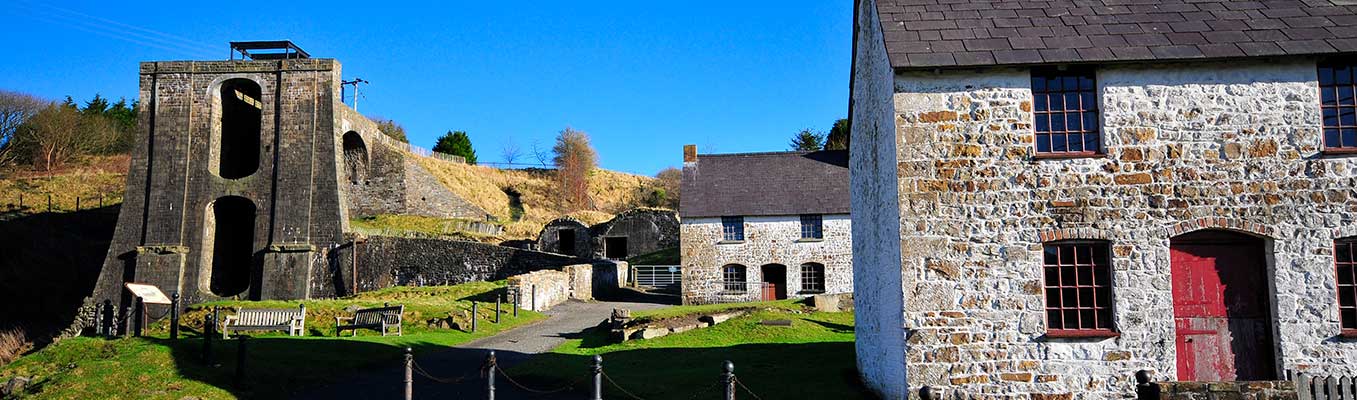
{"points": [[1310, 387]]}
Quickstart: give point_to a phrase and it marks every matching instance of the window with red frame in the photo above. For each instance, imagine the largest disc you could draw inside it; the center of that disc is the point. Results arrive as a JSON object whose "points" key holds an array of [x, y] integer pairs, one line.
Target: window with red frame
{"points": [[1078, 289], [1065, 112], [1345, 255], [1337, 104]]}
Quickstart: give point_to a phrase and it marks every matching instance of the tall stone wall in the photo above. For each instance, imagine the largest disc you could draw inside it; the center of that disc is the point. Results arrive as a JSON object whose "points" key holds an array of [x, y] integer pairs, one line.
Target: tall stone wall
{"points": [[383, 261], [549, 240], [647, 230], [384, 179], [768, 240], [875, 203], [1207, 145], [166, 226]]}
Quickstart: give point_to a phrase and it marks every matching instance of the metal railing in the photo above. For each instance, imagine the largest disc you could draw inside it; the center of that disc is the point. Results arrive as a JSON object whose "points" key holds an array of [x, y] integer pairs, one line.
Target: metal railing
{"points": [[412, 149], [594, 376], [657, 276]]}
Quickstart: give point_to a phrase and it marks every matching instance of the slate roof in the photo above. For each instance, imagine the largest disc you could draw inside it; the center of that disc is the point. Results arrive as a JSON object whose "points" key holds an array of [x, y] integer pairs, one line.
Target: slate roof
{"points": [[760, 184], [958, 33]]}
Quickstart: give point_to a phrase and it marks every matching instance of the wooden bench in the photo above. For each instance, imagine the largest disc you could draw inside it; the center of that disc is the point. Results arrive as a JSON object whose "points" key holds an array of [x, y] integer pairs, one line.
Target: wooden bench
{"points": [[380, 319], [292, 321]]}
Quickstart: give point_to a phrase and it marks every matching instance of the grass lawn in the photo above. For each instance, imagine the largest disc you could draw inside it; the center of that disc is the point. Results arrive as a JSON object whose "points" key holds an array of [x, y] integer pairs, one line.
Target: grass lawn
{"points": [[417, 226], [155, 367], [811, 359]]}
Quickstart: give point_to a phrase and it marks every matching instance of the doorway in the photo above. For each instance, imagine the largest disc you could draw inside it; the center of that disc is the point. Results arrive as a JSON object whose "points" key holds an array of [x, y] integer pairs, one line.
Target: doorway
{"points": [[774, 282], [565, 240], [1221, 307], [615, 248]]}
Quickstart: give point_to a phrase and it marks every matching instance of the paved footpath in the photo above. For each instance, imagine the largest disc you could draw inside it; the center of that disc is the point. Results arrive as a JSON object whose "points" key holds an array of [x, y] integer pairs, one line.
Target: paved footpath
{"points": [[565, 320]]}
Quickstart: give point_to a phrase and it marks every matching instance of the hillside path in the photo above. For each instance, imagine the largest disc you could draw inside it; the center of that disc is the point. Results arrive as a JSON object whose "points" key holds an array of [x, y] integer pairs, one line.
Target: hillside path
{"points": [[565, 321]]}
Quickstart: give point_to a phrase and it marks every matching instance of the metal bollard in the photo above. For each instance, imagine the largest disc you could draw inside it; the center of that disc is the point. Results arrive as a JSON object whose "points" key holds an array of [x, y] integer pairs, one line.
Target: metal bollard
{"points": [[496, 310], [597, 370], [409, 374], [101, 200], [728, 379], [1146, 390], [517, 299], [474, 309], [240, 361], [109, 317], [491, 368], [209, 330], [49, 202], [127, 321], [77, 203], [174, 316], [140, 320]]}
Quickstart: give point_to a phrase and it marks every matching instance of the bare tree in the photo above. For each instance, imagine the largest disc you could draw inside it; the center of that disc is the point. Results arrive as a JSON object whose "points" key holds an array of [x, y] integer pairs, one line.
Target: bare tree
{"points": [[59, 133], [542, 155], [15, 109], [575, 160], [511, 152]]}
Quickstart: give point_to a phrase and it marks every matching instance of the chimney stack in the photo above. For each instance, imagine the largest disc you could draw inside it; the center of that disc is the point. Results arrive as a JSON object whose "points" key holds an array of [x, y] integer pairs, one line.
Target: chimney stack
{"points": [[689, 153]]}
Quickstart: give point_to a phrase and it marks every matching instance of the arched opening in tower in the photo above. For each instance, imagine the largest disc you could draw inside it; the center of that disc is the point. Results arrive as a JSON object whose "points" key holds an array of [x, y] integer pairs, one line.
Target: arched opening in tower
{"points": [[241, 116], [355, 157], [230, 245]]}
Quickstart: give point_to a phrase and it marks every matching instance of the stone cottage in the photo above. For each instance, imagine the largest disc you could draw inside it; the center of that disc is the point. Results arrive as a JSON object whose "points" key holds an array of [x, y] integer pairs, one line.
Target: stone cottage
{"points": [[1050, 196], [763, 226]]}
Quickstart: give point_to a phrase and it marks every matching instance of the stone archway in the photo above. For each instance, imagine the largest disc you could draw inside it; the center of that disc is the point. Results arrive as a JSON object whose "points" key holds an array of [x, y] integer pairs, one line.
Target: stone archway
{"points": [[355, 158]]}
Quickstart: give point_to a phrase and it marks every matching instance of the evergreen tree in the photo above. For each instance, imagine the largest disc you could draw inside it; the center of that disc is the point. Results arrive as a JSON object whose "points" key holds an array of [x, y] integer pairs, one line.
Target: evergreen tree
{"points": [[456, 143], [808, 140], [838, 136]]}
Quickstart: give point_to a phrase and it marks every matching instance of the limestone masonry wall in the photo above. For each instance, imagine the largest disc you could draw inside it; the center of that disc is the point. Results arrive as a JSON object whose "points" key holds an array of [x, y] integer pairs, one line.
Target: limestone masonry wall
{"points": [[542, 290], [875, 204], [384, 261], [768, 240], [1188, 146]]}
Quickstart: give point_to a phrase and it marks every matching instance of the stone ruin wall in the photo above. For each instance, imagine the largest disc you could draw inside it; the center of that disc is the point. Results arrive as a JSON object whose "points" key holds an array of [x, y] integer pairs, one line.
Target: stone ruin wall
{"points": [[768, 240], [383, 179], [647, 230], [1189, 146]]}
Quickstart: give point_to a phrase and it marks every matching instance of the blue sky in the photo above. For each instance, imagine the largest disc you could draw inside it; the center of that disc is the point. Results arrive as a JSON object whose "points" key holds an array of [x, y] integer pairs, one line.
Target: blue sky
{"points": [[642, 78]]}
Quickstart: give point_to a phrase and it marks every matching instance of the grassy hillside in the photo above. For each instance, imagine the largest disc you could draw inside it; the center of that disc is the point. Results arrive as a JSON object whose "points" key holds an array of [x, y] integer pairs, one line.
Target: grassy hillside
{"points": [[279, 366], [611, 192], [87, 180]]}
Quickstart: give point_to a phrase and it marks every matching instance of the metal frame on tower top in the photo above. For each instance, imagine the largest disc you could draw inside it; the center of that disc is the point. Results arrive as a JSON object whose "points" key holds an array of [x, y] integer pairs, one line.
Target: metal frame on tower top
{"points": [[271, 50]]}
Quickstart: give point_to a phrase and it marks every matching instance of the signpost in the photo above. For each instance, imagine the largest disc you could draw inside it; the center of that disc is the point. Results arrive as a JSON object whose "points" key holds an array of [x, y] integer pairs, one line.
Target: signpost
{"points": [[146, 294]]}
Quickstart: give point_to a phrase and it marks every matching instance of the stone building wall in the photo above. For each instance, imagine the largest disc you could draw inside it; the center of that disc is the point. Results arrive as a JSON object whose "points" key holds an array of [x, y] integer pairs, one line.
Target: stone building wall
{"points": [[542, 290], [1189, 146], [768, 240], [549, 239], [165, 228], [647, 230], [875, 203]]}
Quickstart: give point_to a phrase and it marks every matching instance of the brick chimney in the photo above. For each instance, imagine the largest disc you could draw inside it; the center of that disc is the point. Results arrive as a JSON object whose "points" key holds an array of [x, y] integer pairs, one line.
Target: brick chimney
{"points": [[689, 153]]}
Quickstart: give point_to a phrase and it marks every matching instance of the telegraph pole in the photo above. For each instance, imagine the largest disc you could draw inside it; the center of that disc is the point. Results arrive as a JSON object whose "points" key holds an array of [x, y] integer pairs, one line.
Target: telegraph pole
{"points": [[353, 83]]}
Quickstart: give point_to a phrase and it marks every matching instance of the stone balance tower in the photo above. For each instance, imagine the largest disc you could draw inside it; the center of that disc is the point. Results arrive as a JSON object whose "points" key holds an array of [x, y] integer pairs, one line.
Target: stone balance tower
{"points": [[234, 186]]}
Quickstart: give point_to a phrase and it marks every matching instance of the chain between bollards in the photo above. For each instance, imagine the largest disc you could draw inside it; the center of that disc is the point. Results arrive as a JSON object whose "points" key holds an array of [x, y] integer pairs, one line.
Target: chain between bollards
{"points": [[409, 374]]}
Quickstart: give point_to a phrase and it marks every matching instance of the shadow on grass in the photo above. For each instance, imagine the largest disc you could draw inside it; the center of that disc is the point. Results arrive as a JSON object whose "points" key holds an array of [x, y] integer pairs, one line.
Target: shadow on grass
{"points": [[837, 328], [281, 367], [769, 371]]}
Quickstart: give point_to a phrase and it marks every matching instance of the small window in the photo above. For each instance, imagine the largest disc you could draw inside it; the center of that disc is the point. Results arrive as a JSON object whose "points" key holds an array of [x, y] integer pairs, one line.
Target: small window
{"points": [[734, 278], [812, 227], [1065, 112], [1345, 256], [812, 278], [732, 229], [1337, 104], [1078, 289]]}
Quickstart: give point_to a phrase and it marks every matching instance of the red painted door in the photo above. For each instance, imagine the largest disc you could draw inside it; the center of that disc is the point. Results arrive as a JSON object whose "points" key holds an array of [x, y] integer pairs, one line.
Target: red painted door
{"points": [[769, 291], [1221, 308]]}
